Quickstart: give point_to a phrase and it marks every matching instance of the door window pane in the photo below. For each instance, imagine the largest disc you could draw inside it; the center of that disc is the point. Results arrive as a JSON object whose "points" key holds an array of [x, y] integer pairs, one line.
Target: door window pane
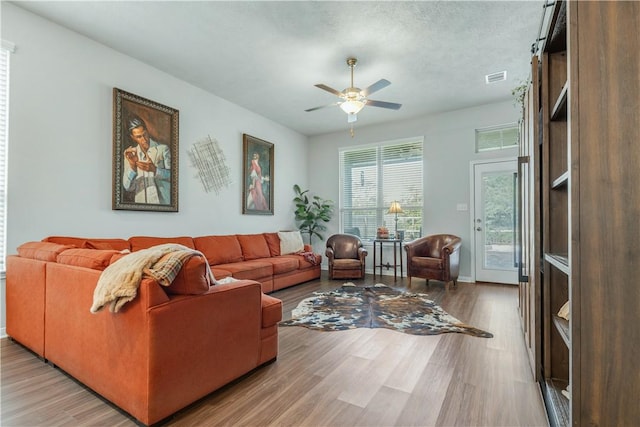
{"points": [[499, 220]]}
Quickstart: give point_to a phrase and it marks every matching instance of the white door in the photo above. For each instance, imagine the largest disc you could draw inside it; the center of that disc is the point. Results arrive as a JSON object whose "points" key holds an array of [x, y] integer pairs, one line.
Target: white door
{"points": [[495, 221]]}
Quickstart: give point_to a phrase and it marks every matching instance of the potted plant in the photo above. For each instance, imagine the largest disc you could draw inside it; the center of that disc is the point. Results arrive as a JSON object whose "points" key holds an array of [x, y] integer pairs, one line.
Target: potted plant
{"points": [[311, 212]]}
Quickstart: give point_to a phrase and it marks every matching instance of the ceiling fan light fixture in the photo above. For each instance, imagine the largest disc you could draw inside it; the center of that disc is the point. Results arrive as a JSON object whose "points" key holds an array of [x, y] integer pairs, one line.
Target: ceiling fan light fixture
{"points": [[353, 99], [352, 106]]}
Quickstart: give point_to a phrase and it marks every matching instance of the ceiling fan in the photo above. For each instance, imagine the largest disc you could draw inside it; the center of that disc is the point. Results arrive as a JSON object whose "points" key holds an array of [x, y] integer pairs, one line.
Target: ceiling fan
{"points": [[353, 99]]}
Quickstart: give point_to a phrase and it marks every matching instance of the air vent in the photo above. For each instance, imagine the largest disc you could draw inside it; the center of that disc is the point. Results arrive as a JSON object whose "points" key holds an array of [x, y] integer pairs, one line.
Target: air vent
{"points": [[496, 77]]}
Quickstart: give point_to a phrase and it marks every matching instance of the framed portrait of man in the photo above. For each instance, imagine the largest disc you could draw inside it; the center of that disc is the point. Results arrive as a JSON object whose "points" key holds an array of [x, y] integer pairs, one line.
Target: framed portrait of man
{"points": [[145, 154], [257, 189]]}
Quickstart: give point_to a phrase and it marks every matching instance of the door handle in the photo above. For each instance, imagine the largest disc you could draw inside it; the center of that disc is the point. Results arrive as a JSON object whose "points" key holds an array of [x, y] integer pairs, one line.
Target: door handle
{"points": [[479, 229]]}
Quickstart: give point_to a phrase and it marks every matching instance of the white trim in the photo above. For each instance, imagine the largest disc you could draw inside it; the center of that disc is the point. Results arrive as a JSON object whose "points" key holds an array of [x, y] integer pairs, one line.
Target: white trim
{"points": [[379, 143], [5, 53], [498, 127]]}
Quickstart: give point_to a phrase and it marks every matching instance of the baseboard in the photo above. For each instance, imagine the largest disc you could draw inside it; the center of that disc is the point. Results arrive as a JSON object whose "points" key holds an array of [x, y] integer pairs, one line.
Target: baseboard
{"points": [[3, 333], [387, 272], [465, 279]]}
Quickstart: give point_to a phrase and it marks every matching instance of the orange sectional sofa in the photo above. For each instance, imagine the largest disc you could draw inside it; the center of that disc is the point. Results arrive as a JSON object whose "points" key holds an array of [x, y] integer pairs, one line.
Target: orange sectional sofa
{"points": [[169, 346]]}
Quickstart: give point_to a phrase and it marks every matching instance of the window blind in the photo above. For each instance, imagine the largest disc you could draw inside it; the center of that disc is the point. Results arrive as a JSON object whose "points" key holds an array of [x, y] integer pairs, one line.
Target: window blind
{"points": [[4, 132], [373, 176], [497, 137]]}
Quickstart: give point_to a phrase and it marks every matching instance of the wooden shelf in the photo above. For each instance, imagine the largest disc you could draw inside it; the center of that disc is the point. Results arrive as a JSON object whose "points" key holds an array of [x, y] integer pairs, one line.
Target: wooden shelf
{"points": [[562, 326], [559, 111], [559, 261], [557, 36], [560, 181], [556, 401]]}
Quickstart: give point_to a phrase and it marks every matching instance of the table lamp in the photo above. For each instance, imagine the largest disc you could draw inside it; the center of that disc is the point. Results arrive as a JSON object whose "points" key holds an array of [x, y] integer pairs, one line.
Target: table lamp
{"points": [[395, 209]]}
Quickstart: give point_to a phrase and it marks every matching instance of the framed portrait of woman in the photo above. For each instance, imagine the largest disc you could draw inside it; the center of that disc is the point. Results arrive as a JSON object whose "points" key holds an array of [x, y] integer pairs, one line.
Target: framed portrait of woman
{"points": [[257, 188]]}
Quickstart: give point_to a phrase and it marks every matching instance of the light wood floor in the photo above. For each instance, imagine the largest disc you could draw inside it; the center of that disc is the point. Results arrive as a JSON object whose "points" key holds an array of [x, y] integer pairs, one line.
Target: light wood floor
{"points": [[361, 377]]}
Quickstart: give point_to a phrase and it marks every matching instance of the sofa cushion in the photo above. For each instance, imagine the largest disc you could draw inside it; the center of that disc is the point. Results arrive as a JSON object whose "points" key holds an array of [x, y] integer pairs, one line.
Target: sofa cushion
{"points": [[290, 242], [42, 251], [347, 264], [253, 246], [144, 242], [303, 263], [95, 259], [249, 270], [116, 244], [426, 262], [103, 246], [282, 264], [273, 241], [89, 243], [219, 249], [117, 256], [219, 273], [192, 278]]}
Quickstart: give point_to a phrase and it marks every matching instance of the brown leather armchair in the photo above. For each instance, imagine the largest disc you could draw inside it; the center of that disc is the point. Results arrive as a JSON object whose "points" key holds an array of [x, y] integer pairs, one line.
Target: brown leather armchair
{"points": [[434, 257], [346, 256]]}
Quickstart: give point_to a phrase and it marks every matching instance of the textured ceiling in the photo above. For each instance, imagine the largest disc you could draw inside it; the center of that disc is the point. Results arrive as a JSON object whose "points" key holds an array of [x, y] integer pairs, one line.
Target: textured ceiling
{"points": [[266, 56]]}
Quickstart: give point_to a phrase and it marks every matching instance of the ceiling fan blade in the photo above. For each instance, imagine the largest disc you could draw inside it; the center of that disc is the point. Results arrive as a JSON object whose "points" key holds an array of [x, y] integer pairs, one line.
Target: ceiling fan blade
{"points": [[380, 84], [383, 104], [352, 117], [323, 106], [329, 89]]}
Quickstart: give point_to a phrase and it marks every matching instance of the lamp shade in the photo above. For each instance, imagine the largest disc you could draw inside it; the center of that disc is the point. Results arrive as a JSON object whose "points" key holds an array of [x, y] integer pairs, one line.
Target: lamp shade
{"points": [[395, 207]]}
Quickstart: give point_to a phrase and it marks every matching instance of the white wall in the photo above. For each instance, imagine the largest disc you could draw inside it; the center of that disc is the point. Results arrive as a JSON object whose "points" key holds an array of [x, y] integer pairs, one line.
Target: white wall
{"points": [[60, 150], [449, 147]]}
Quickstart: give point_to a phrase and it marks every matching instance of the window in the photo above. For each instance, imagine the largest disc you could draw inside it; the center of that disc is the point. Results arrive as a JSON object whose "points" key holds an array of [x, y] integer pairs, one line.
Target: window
{"points": [[373, 176], [497, 137], [4, 127]]}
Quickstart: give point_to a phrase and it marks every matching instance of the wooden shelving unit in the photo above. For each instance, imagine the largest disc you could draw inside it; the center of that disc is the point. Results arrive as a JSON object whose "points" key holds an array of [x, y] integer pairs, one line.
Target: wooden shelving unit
{"points": [[559, 407], [582, 126], [559, 110], [555, 187], [560, 181], [561, 262], [562, 325]]}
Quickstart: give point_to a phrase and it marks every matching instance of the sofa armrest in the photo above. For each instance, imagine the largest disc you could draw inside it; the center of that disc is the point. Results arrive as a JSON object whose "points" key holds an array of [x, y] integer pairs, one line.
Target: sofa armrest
{"points": [[329, 254], [362, 253], [452, 246]]}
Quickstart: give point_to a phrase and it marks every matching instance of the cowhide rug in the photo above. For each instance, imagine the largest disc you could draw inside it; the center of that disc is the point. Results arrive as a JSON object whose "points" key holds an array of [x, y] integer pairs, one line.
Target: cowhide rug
{"points": [[376, 306]]}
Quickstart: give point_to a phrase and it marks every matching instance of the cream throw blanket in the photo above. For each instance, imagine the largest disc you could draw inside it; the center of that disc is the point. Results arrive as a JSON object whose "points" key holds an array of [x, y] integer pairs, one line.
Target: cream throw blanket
{"points": [[119, 282]]}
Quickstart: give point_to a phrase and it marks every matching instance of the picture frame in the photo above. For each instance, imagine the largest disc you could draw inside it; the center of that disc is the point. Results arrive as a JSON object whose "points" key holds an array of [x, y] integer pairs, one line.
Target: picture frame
{"points": [[145, 154], [258, 172]]}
